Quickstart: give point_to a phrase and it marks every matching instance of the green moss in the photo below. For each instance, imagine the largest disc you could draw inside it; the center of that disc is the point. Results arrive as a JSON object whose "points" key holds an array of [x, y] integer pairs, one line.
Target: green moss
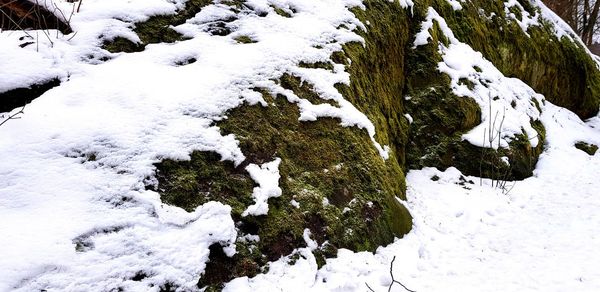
{"points": [[189, 184], [587, 148], [522, 155], [467, 82], [121, 44], [346, 191], [303, 89], [322, 65], [244, 40], [157, 29], [282, 12], [377, 72], [557, 68], [221, 269], [441, 118], [517, 12], [320, 160]]}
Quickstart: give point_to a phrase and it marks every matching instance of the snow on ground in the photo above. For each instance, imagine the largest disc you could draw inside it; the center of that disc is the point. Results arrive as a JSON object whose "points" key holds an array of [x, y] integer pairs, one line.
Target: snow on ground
{"points": [[541, 236], [74, 168], [76, 216]]}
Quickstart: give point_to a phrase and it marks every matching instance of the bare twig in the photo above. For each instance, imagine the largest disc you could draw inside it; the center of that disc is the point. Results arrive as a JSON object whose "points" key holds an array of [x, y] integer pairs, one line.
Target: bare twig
{"points": [[394, 281], [15, 23], [481, 161], [498, 176], [14, 116]]}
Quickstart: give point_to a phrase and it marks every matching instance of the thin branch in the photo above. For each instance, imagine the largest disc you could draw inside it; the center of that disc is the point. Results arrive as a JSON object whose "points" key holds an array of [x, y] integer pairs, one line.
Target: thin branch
{"points": [[14, 116], [394, 280], [18, 26], [370, 289]]}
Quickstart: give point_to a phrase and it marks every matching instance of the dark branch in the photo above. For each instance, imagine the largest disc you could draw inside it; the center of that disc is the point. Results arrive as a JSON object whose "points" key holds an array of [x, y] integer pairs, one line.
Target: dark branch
{"points": [[394, 281], [14, 116]]}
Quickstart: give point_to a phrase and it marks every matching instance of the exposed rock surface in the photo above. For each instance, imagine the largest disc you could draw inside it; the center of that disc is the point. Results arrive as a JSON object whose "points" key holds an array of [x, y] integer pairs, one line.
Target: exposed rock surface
{"points": [[342, 186]]}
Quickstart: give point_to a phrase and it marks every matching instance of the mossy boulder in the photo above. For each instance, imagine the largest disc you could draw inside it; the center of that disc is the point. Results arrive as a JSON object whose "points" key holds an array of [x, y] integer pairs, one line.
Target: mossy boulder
{"points": [[558, 68], [440, 118], [334, 181]]}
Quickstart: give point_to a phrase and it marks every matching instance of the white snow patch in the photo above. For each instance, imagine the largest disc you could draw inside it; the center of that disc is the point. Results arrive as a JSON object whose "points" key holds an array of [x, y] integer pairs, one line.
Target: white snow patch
{"points": [[507, 104], [409, 118], [455, 4], [542, 236], [527, 20], [267, 176], [295, 203]]}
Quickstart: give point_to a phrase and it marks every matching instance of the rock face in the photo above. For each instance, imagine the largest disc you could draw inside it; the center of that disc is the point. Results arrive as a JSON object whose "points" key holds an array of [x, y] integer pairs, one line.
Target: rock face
{"points": [[333, 182], [336, 188]]}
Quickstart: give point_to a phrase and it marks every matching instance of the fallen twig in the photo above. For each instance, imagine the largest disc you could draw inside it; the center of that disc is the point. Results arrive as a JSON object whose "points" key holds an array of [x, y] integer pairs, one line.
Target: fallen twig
{"points": [[14, 116], [394, 281]]}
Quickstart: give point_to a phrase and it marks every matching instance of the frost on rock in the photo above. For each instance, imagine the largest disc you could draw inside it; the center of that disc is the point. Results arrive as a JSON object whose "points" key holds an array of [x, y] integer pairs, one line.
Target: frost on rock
{"points": [[508, 105], [267, 176]]}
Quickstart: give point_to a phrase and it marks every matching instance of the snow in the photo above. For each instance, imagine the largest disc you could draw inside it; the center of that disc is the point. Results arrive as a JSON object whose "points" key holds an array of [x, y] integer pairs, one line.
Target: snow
{"points": [[541, 236], [39, 69], [507, 104], [423, 36], [527, 20], [455, 4], [77, 216], [75, 166], [267, 176]]}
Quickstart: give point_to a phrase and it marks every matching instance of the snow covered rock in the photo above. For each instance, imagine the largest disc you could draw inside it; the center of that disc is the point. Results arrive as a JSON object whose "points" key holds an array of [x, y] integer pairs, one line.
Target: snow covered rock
{"points": [[193, 142]]}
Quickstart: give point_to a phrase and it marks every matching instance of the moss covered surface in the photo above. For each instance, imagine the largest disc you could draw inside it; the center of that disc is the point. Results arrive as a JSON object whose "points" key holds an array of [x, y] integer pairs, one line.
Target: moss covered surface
{"points": [[557, 68], [156, 29], [189, 184], [587, 148], [377, 72], [345, 193], [441, 118]]}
